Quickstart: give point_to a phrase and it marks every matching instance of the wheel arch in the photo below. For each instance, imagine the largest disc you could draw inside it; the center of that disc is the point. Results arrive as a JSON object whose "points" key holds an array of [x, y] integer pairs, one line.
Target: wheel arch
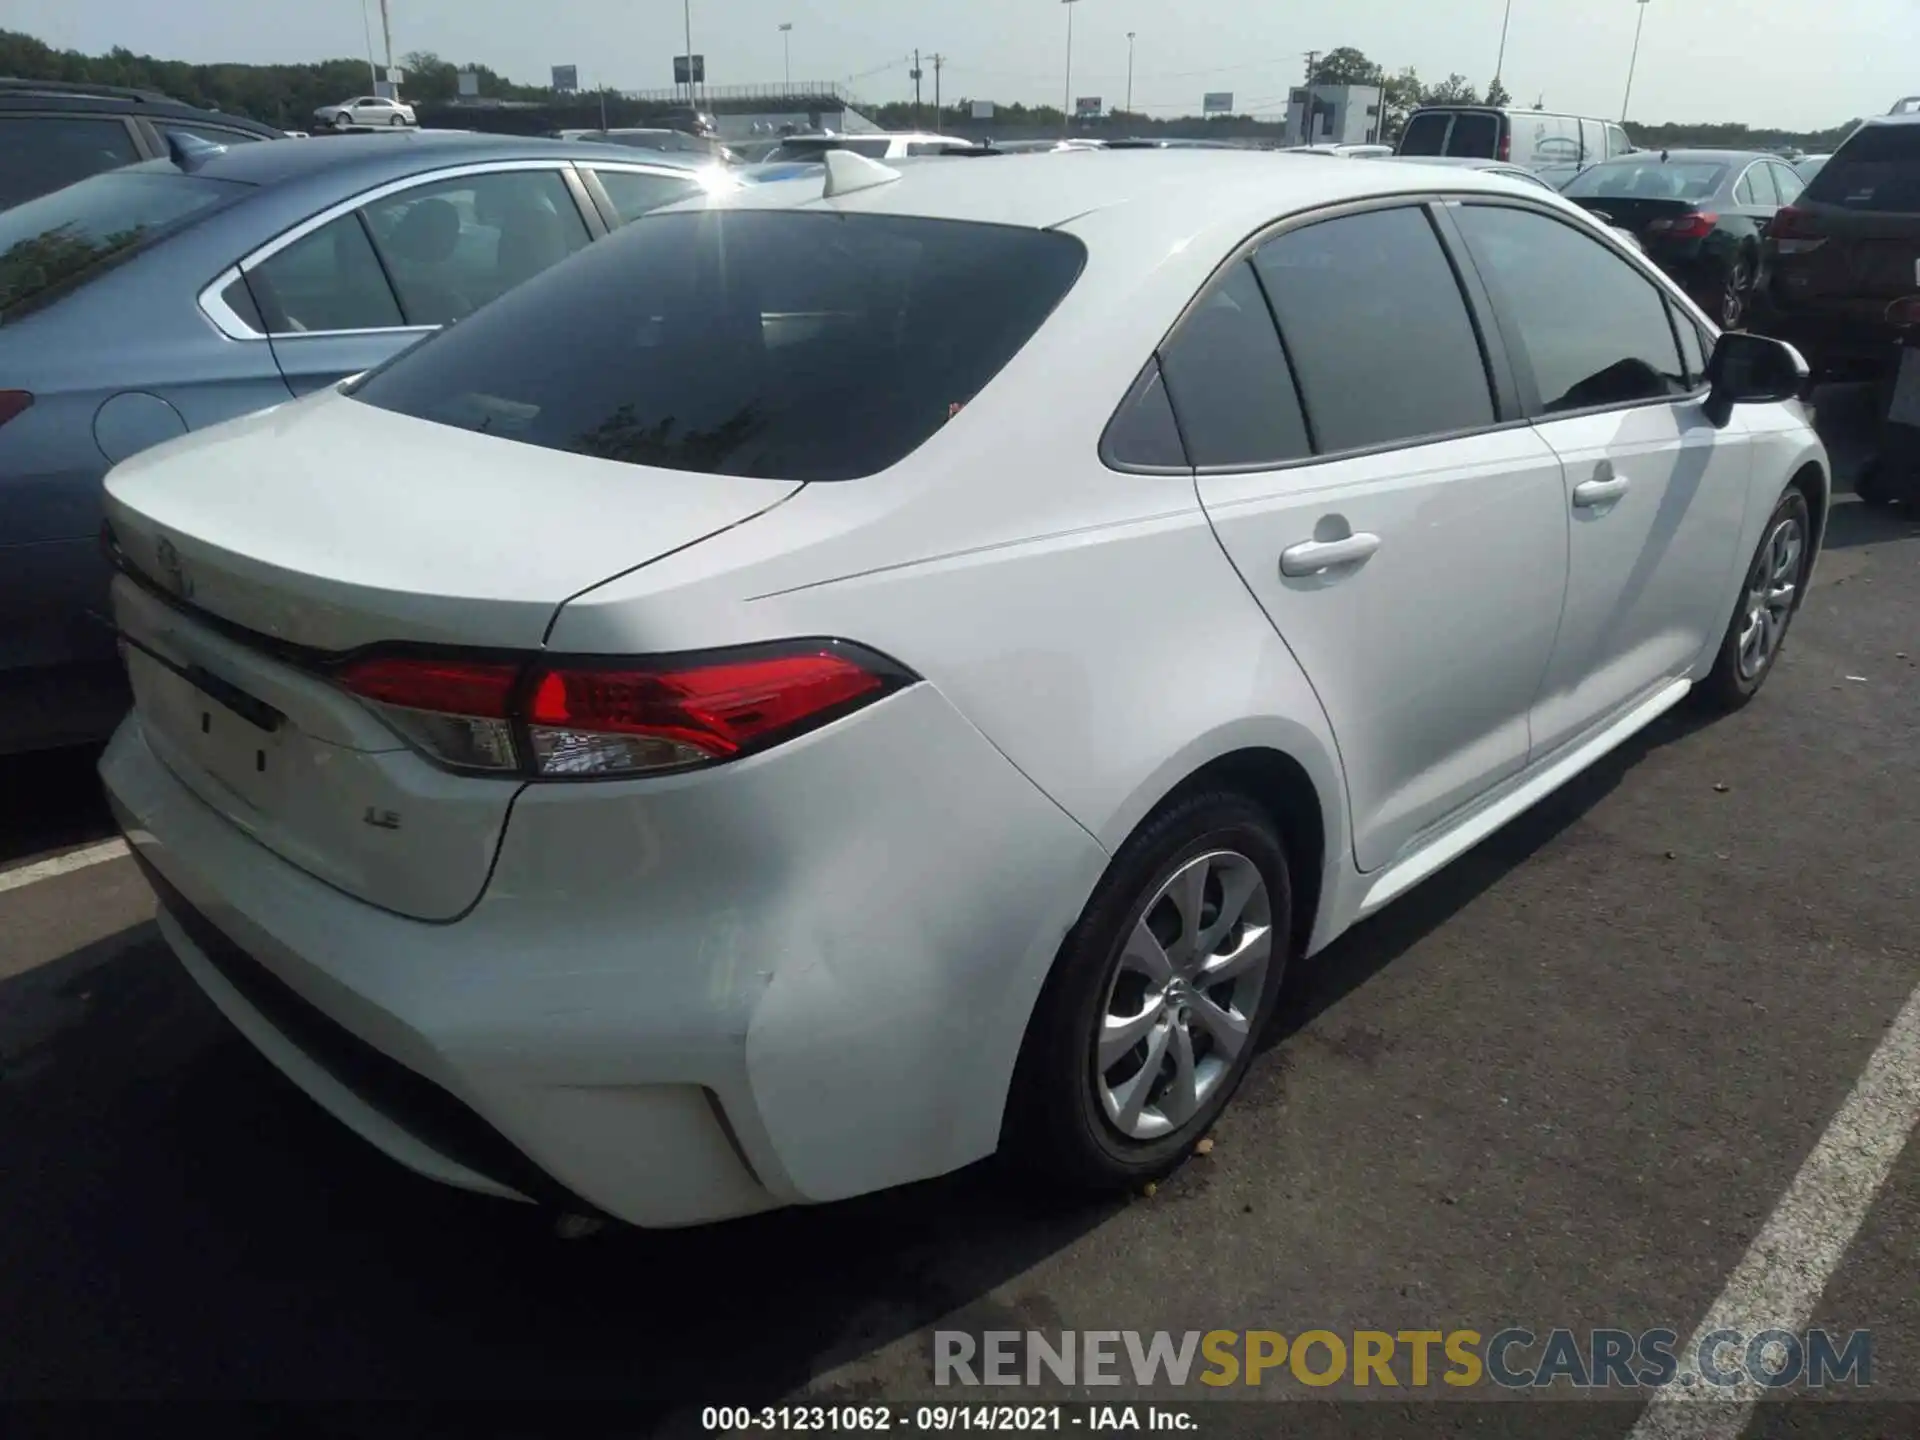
{"points": [[1278, 784], [1812, 479]]}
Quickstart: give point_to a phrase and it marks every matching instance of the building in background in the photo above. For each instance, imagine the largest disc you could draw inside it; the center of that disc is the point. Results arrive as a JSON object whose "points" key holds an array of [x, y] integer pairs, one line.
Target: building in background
{"points": [[1333, 115]]}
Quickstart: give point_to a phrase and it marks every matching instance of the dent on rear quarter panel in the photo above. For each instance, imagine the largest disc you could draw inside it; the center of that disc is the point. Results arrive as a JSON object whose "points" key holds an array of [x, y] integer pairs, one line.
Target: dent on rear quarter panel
{"points": [[913, 950]]}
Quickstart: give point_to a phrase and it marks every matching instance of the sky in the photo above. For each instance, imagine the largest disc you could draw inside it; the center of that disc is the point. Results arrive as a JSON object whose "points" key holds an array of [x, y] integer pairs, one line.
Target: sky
{"points": [[1787, 63]]}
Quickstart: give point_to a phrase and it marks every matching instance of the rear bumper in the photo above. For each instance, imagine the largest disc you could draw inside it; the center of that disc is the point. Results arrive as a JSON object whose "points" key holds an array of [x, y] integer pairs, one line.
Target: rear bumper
{"points": [[795, 979]]}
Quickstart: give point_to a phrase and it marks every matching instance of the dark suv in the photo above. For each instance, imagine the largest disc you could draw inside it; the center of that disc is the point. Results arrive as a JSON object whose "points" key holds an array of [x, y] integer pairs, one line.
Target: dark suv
{"points": [[52, 133], [1843, 253]]}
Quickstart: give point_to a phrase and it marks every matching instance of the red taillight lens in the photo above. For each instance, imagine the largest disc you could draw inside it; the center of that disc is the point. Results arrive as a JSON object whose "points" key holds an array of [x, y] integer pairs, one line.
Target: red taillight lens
{"points": [[1794, 232], [593, 717], [1506, 144], [604, 721], [1696, 226], [12, 402], [457, 711]]}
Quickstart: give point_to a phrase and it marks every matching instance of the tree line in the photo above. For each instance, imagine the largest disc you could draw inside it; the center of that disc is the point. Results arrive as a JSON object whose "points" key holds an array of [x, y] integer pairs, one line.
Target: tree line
{"points": [[286, 96]]}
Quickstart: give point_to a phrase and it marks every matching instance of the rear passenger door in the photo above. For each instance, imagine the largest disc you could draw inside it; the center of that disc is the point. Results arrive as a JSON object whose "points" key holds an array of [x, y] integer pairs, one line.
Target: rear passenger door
{"points": [[359, 283], [1365, 468], [1655, 493]]}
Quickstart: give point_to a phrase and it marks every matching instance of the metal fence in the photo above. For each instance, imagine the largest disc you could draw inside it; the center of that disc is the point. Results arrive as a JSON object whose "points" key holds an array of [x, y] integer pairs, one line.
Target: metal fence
{"points": [[814, 94]]}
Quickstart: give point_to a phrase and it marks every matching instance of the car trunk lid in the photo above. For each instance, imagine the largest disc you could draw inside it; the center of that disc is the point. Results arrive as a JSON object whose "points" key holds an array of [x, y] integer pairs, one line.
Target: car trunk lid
{"points": [[1636, 215], [258, 553]]}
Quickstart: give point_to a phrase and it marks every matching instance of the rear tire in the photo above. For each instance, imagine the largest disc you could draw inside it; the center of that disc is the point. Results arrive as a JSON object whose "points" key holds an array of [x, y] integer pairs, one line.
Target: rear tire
{"points": [[1770, 597], [396, 120], [1132, 1053]]}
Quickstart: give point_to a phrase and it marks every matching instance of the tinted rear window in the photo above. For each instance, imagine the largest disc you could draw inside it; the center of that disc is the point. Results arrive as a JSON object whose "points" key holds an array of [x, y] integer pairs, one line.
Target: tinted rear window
{"points": [[1878, 169], [40, 153], [1426, 134], [49, 243], [765, 343], [1650, 179], [1475, 135]]}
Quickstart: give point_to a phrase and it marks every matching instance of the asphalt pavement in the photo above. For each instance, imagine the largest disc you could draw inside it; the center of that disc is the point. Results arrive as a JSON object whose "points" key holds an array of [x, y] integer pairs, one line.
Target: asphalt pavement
{"points": [[1566, 1083]]}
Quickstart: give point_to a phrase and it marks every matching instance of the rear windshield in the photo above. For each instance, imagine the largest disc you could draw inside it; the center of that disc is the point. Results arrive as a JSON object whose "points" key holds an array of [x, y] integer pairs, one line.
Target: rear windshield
{"points": [[1878, 169], [778, 344], [814, 149], [1475, 135], [1426, 134], [1650, 179], [49, 244]]}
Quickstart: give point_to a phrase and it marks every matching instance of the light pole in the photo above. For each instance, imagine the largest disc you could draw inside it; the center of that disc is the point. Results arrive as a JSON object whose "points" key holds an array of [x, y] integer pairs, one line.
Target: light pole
{"points": [[1639, 25], [786, 52], [1129, 72], [373, 71], [1066, 105], [686, 13], [1500, 65]]}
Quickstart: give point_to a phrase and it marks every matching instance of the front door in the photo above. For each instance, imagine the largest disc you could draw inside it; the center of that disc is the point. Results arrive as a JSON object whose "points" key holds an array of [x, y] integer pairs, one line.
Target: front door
{"points": [[1408, 548], [1655, 494]]}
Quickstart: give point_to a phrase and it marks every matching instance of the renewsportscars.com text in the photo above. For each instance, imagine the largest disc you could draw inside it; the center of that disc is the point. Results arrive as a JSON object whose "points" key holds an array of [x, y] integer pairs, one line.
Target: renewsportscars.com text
{"points": [[1512, 1359]]}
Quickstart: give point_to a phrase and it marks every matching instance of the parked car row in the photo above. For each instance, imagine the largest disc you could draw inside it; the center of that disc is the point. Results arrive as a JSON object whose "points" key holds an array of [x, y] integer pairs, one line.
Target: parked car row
{"points": [[832, 679], [1842, 280]]}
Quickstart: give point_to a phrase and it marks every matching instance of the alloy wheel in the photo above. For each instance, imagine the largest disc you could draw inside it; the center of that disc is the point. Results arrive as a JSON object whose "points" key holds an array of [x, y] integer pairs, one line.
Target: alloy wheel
{"points": [[1773, 586], [1179, 1009], [1733, 296]]}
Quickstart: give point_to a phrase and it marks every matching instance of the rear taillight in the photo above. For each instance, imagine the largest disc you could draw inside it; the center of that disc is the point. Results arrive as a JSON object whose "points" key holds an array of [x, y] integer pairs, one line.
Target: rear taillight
{"points": [[457, 711], [1696, 226], [1506, 145], [549, 717], [12, 402], [1793, 232]]}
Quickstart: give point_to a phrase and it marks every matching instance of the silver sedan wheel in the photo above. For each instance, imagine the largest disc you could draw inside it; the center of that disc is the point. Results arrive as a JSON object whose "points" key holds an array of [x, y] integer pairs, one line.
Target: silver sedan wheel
{"points": [[1179, 1009], [1772, 588]]}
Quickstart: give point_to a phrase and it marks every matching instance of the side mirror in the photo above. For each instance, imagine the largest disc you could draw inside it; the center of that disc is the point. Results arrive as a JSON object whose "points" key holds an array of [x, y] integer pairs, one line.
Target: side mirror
{"points": [[1753, 370]]}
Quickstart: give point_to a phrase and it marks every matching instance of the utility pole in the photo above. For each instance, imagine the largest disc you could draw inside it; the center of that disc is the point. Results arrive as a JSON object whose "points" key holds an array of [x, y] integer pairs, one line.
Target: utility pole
{"points": [[1638, 27], [1129, 72], [786, 51], [916, 89], [938, 61], [1066, 105], [686, 14], [1500, 64], [373, 70], [386, 31], [1306, 118]]}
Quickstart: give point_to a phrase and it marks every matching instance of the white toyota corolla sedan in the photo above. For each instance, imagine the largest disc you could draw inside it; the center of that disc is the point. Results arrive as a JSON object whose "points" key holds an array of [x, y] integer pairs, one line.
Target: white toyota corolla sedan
{"points": [[866, 672]]}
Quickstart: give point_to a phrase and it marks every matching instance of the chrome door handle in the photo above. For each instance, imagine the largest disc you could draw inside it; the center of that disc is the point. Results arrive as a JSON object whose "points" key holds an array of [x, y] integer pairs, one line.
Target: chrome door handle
{"points": [[1590, 493], [1313, 556]]}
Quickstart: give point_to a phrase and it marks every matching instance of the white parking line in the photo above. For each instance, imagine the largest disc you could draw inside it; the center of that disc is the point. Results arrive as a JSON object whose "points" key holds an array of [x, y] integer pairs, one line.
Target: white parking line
{"points": [[62, 864], [1781, 1277]]}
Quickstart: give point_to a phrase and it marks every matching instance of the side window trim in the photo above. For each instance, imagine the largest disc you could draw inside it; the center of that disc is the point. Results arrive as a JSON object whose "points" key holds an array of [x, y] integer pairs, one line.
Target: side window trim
{"points": [[213, 305], [230, 325], [1286, 358], [1480, 312], [1529, 387], [1676, 317], [1141, 384]]}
